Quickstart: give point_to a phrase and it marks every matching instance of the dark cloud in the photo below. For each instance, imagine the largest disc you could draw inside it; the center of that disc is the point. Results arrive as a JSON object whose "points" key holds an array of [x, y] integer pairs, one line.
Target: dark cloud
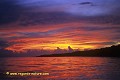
{"points": [[108, 19], [104, 43], [98, 43], [42, 18], [3, 52], [28, 16], [102, 28], [86, 3], [9, 11], [3, 44]]}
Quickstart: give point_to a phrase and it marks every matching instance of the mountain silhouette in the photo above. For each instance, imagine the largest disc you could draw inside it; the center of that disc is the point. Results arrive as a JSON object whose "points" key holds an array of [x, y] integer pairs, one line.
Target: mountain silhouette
{"points": [[113, 51]]}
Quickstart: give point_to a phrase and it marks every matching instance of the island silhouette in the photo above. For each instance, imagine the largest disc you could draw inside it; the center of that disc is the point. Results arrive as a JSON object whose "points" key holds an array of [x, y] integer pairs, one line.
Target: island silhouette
{"points": [[113, 51]]}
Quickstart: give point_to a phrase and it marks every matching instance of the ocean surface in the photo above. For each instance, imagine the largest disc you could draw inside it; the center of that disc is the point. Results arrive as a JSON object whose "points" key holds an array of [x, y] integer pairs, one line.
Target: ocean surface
{"points": [[60, 68]]}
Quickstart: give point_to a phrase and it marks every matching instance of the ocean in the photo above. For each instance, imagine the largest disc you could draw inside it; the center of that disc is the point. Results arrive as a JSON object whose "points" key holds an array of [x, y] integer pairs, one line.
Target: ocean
{"points": [[60, 68]]}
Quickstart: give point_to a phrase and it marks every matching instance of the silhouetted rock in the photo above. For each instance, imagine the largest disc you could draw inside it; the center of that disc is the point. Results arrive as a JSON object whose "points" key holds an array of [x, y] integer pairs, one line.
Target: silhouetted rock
{"points": [[70, 49], [58, 50]]}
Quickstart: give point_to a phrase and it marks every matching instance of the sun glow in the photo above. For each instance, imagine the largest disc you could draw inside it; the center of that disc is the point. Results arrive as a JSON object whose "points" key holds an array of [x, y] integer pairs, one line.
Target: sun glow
{"points": [[49, 46]]}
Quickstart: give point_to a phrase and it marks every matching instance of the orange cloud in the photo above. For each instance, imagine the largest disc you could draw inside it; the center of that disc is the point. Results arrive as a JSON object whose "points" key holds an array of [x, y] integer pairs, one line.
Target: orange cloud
{"points": [[75, 34]]}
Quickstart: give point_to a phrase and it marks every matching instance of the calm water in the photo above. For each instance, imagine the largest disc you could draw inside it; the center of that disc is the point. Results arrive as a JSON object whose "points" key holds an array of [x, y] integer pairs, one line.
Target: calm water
{"points": [[61, 68]]}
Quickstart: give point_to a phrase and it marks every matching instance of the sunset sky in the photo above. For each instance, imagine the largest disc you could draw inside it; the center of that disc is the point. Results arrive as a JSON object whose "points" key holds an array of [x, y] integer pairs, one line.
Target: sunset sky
{"points": [[47, 24]]}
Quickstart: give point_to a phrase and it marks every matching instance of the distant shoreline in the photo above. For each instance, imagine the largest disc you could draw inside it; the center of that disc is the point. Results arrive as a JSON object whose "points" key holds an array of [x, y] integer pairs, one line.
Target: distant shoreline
{"points": [[113, 51]]}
